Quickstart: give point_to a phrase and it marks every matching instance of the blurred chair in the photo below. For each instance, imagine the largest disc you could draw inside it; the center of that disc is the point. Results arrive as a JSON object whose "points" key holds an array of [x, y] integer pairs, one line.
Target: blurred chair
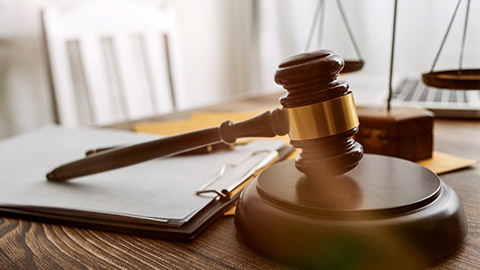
{"points": [[112, 61]]}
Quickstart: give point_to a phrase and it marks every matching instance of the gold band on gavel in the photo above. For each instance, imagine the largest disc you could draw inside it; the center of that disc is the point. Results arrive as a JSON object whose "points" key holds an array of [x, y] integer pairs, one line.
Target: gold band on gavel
{"points": [[322, 119]]}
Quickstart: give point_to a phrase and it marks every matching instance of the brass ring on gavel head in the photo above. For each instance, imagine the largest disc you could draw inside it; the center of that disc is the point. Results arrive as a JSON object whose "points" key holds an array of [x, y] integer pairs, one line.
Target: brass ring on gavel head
{"points": [[322, 119]]}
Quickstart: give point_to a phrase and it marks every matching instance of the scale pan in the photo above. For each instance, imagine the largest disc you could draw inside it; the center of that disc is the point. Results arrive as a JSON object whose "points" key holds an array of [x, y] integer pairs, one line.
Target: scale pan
{"points": [[465, 79], [352, 66]]}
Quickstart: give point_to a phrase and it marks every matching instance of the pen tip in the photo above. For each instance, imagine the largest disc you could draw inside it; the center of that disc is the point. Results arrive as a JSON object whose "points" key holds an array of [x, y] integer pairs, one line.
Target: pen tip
{"points": [[51, 176]]}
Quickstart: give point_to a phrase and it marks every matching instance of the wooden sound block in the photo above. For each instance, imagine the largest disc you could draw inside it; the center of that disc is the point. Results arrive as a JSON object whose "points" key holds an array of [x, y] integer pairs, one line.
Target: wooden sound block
{"points": [[403, 132], [386, 213]]}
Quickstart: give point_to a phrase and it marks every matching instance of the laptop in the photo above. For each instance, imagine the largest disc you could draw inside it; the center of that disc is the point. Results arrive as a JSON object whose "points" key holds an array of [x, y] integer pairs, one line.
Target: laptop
{"points": [[442, 102]]}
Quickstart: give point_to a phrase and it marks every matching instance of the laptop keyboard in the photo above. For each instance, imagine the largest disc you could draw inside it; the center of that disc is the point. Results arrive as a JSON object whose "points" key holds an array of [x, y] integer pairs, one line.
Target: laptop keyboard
{"points": [[443, 102]]}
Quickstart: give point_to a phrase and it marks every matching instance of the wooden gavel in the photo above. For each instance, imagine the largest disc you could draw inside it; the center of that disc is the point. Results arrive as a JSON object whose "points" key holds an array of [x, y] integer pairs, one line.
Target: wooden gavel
{"points": [[318, 113]]}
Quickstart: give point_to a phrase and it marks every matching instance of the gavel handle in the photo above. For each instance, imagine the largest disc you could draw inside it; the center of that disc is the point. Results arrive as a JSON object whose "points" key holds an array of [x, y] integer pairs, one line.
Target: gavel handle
{"points": [[267, 124]]}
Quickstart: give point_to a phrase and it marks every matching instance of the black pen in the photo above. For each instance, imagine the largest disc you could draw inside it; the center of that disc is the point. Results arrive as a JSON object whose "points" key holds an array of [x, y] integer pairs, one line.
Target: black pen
{"points": [[198, 151]]}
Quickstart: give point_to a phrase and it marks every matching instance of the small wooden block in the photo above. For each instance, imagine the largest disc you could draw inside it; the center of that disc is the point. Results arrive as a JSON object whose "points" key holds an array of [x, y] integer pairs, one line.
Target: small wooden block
{"points": [[404, 132]]}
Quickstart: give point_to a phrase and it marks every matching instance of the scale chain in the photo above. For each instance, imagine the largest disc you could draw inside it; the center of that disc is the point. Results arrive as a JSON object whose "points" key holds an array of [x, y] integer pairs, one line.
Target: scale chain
{"points": [[315, 18], [464, 37], [349, 30], [445, 36]]}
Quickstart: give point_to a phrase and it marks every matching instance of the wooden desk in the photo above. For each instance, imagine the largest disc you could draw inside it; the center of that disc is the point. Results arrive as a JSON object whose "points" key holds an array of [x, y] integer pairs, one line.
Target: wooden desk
{"points": [[28, 245]]}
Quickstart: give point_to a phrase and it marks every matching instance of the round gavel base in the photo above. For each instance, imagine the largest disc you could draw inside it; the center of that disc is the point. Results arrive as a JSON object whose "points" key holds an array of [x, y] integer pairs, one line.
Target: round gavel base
{"points": [[385, 213]]}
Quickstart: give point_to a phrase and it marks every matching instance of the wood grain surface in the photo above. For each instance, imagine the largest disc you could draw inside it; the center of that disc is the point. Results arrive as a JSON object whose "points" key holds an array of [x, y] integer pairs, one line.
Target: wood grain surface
{"points": [[27, 244]]}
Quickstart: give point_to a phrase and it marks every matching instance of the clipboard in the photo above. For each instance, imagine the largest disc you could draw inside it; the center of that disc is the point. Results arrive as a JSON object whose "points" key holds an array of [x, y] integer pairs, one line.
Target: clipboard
{"points": [[187, 230]]}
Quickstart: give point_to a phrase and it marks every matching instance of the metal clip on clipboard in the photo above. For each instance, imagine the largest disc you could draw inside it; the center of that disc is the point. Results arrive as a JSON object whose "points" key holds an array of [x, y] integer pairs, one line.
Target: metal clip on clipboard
{"points": [[227, 192]]}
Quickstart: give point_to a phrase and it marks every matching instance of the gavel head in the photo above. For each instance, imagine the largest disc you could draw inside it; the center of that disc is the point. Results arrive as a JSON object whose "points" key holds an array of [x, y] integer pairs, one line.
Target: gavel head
{"points": [[321, 114]]}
